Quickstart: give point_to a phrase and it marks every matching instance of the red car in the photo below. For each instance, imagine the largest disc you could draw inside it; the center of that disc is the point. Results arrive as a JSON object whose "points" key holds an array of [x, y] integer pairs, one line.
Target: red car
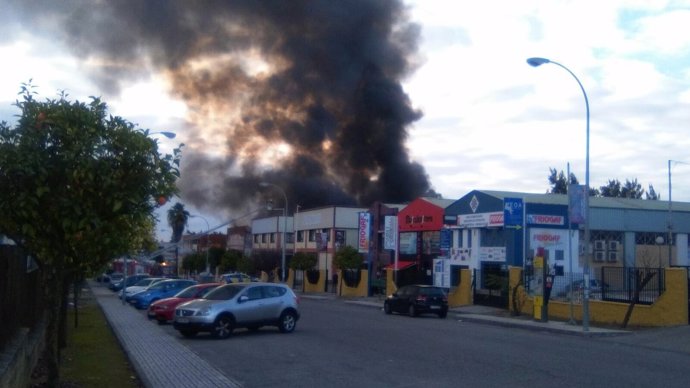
{"points": [[164, 309]]}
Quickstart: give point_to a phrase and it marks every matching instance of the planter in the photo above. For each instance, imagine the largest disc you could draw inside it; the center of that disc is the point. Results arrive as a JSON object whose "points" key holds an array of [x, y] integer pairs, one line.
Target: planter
{"points": [[313, 276], [351, 277]]}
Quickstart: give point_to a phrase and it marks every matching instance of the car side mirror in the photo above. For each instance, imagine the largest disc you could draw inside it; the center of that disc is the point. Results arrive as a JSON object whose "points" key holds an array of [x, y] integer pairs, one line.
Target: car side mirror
{"points": [[242, 299]]}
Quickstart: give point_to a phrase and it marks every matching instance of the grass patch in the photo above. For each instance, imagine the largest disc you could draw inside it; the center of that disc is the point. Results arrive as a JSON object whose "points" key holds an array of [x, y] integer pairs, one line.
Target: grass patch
{"points": [[93, 356]]}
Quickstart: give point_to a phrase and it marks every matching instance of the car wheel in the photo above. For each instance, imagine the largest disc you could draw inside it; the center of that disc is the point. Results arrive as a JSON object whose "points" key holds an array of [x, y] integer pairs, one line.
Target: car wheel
{"points": [[387, 308], [443, 314], [188, 333], [223, 327], [288, 321], [412, 311]]}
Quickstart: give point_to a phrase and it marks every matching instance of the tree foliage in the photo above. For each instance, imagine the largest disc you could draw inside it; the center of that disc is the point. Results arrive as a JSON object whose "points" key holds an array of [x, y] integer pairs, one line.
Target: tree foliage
{"points": [[79, 187], [177, 220], [347, 257], [613, 189], [558, 182], [303, 261]]}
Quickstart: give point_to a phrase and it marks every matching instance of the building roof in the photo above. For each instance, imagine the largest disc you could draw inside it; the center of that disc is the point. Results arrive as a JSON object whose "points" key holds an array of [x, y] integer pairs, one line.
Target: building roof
{"points": [[440, 202], [598, 202]]}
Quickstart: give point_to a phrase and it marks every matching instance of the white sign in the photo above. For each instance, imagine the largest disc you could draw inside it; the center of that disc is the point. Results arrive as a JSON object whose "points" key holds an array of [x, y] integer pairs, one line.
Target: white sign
{"points": [[441, 273], [480, 220], [390, 232], [492, 254]]}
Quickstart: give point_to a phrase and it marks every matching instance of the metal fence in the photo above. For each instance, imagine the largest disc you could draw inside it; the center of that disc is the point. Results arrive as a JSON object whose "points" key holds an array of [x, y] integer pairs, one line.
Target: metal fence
{"points": [[21, 302], [615, 284]]}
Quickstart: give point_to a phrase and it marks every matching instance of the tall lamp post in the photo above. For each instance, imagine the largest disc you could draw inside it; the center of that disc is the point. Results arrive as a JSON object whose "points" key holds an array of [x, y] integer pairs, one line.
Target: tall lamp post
{"points": [[669, 223], [282, 243], [535, 62], [208, 230]]}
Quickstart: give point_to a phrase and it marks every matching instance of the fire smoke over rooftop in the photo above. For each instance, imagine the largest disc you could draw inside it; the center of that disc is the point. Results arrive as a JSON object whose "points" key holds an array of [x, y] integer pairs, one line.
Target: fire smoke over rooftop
{"points": [[304, 94]]}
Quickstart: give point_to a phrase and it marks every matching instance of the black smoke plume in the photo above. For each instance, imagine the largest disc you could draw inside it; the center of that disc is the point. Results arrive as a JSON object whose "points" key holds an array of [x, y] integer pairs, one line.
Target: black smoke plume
{"points": [[303, 94]]}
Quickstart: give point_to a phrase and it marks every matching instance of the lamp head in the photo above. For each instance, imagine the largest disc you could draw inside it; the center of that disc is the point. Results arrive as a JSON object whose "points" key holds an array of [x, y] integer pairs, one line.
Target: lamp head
{"points": [[536, 61], [169, 135]]}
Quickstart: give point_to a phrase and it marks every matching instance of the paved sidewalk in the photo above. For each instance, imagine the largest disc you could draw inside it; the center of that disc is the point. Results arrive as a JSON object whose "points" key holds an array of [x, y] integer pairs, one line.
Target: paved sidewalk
{"points": [[158, 360]]}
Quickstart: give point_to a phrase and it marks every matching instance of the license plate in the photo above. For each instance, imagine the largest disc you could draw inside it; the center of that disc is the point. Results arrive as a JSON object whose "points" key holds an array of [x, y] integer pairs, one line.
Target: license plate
{"points": [[435, 307], [182, 320]]}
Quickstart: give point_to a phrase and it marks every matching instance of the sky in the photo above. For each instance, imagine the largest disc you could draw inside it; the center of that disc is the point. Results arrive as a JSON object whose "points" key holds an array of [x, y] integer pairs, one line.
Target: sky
{"points": [[489, 120]]}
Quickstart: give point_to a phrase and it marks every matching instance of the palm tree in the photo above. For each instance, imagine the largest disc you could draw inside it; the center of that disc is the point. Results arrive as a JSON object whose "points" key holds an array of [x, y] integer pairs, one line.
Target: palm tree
{"points": [[177, 219]]}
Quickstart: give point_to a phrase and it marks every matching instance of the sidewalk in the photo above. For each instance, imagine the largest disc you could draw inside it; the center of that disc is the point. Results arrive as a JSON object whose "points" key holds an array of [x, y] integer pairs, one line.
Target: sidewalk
{"points": [[158, 360], [494, 316]]}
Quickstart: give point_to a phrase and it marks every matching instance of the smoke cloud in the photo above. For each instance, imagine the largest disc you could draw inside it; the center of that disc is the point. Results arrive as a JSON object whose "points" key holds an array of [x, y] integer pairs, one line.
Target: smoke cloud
{"points": [[303, 94]]}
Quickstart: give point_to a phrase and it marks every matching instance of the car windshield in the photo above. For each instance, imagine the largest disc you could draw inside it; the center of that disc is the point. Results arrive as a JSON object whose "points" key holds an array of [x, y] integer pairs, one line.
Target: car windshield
{"points": [[225, 292], [189, 292], [158, 285], [143, 282]]}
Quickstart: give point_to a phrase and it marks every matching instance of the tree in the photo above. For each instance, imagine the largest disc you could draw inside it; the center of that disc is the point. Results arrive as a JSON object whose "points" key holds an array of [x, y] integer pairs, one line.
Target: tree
{"points": [[558, 182], [347, 257], [651, 194], [303, 261], [631, 189], [177, 220], [78, 188], [614, 188]]}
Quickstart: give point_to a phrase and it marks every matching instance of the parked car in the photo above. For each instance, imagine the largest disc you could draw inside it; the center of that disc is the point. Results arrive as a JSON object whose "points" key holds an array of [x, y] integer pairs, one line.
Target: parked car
{"points": [[138, 287], [159, 290], [163, 310], [237, 277], [117, 284], [417, 299], [251, 305]]}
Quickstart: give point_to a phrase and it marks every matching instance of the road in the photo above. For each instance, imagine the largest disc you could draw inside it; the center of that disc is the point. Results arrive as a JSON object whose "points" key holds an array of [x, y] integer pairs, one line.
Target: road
{"points": [[344, 345]]}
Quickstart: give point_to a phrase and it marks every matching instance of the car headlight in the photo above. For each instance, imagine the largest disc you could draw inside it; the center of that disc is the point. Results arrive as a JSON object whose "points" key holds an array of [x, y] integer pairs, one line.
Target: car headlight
{"points": [[203, 312]]}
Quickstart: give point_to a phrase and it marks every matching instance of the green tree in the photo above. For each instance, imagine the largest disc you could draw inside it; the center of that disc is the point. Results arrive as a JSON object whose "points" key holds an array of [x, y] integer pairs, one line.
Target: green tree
{"points": [[558, 182], [302, 261], [78, 188], [177, 220], [347, 257], [651, 194]]}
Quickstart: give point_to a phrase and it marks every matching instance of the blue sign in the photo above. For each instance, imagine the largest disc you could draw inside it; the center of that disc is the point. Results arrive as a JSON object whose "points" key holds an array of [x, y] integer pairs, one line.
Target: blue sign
{"points": [[512, 212], [446, 240]]}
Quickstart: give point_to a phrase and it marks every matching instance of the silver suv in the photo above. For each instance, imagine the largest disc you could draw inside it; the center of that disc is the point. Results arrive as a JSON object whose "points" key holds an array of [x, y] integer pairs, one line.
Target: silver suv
{"points": [[250, 305]]}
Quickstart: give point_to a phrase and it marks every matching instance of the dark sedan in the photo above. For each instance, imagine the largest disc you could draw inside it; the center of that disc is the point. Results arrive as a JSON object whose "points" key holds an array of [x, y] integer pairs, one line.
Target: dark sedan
{"points": [[418, 299]]}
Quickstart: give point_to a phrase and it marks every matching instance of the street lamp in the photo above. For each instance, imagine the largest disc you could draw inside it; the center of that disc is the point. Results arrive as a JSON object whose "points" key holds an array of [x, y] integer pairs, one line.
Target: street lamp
{"points": [[669, 223], [208, 230], [535, 62], [282, 243]]}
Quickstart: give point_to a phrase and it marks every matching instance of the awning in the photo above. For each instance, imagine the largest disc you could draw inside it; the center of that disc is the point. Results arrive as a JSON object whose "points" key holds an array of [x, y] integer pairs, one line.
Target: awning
{"points": [[401, 265]]}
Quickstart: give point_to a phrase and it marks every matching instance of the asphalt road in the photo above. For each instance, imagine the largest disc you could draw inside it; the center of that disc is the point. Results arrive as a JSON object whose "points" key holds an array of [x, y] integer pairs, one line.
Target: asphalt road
{"points": [[344, 345]]}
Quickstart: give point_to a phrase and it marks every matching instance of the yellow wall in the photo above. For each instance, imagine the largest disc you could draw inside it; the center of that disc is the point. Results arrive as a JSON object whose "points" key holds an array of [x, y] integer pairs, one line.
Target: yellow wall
{"points": [[320, 286], [360, 290], [670, 309], [462, 294]]}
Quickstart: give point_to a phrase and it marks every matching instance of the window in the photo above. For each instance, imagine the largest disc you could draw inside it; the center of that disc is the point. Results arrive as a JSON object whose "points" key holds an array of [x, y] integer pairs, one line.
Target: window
{"points": [[289, 238], [254, 293], [256, 238], [312, 235], [263, 238], [273, 237], [300, 236]]}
